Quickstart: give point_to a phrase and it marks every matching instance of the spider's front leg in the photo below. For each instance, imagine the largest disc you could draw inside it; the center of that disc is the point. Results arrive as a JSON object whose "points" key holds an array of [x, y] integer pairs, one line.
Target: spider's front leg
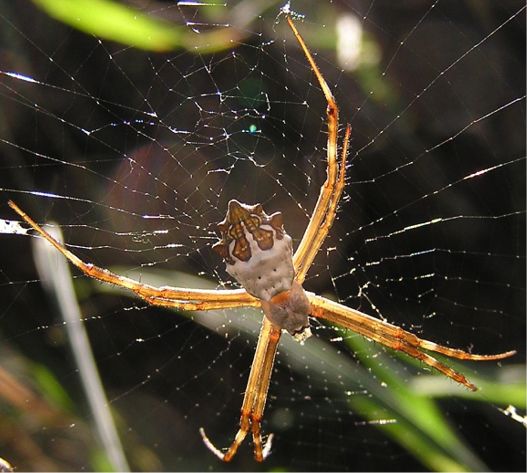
{"points": [[166, 296], [255, 397], [326, 207]]}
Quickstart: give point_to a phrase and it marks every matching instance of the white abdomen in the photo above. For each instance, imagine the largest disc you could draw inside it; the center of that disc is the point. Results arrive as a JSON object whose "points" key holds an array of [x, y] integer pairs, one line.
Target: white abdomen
{"points": [[268, 272]]}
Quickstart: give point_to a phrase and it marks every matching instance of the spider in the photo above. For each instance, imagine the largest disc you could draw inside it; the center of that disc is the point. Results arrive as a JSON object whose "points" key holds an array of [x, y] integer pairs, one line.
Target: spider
{"points": [[258, 254]]}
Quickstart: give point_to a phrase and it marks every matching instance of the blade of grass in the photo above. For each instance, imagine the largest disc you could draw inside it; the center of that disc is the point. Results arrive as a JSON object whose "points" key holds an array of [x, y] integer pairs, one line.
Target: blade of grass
{"points": [[421, 428], [114, 21], [110, 20], [55, 274], [503, 386]]}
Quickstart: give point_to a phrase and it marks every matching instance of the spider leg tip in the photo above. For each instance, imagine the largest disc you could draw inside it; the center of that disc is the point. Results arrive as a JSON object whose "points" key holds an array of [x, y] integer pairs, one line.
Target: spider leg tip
{"points": [[210, 445], [267, 447], [13, 205]]}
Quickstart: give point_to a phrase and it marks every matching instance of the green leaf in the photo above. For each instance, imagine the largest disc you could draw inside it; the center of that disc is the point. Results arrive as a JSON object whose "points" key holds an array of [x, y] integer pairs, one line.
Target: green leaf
{"points": [[111, 20], [51, 388], [419, 426], [100, 462]]}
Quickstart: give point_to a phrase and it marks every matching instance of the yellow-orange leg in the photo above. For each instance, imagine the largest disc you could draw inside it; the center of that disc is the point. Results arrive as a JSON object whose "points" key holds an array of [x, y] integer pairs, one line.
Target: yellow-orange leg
{"points": [[326, 206], [179, 298], [255, 396], [202, 305], [395, 337], [331, 213]]}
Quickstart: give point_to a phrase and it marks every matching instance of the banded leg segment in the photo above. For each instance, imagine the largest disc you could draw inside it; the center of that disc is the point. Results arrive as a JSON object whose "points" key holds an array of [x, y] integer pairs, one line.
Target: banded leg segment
{"points": [[167, 296], [306, 260], [396, 338], [255, 397], [330, 192]]}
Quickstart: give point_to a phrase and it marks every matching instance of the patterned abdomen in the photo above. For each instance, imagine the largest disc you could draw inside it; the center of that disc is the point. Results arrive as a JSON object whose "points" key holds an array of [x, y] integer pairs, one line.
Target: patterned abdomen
{"points": [[256, 249], [268, 272]]}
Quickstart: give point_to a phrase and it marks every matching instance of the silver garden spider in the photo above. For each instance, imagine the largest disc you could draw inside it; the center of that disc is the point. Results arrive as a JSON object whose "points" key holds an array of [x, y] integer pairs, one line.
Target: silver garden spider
{"points": [[258, 254]]}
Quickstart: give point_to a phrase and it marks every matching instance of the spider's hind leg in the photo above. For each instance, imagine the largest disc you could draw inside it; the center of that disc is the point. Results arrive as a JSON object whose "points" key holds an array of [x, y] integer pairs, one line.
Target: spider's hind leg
{"points": [[397, 338], [255, 397]]}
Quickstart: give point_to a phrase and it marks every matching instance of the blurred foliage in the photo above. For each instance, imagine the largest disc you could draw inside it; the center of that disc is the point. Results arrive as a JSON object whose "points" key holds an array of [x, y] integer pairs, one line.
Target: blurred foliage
{"points": [[115, 21], [51, 389], [126, 24], [420, 425]]}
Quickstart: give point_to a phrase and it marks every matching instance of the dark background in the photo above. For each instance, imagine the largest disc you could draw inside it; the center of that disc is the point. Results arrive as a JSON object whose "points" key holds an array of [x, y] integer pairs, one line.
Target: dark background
{"points": [[450, 71]]}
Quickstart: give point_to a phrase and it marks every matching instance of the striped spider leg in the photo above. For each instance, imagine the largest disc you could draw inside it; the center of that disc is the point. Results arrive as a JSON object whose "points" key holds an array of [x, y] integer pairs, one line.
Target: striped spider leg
{"points": [[258, 254], [396, 337], [167, 296]]}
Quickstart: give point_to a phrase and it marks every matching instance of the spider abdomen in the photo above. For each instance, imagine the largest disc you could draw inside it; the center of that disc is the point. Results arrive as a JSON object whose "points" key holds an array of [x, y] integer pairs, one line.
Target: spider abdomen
{"points": [[257, 251], [268, 272]]}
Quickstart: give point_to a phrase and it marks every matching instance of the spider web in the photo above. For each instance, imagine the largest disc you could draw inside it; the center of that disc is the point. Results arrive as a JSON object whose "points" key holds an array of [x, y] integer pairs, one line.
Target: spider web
{"points": [[136, 153]]}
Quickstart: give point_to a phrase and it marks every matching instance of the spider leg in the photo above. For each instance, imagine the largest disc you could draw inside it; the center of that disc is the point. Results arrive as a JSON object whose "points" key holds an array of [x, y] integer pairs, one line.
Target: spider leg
{"points": [[199, 305], [181, 298], [395, 337], [255, 397], [330, 192], [325, 227]]}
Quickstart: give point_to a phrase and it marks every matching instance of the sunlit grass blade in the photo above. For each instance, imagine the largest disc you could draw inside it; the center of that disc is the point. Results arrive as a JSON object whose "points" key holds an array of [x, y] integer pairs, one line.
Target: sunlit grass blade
{"points": [[114, 21], [420, 426]]}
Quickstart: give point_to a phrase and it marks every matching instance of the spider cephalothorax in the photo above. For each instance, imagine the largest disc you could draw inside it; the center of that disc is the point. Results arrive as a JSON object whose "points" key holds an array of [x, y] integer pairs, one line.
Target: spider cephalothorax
{"points": [[259, 254]]}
